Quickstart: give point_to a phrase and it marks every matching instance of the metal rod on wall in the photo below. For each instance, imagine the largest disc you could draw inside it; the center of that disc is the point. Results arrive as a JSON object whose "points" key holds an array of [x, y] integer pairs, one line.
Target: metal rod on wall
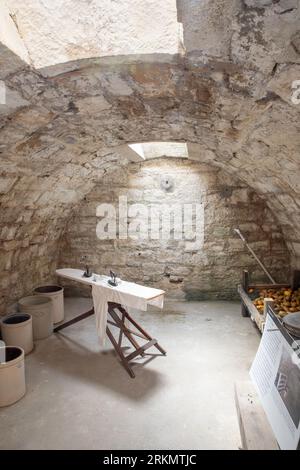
{"points": [[254, 255]]}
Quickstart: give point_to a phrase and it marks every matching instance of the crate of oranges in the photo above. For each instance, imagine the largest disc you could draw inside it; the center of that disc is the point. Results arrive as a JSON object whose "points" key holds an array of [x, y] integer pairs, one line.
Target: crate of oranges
{"points": [[285, 300]]}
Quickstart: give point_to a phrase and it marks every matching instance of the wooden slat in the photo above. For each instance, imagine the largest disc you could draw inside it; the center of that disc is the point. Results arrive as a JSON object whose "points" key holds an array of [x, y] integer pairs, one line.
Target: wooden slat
{"points": [[141, 350], [74, 320], [129, 330], [247, 301], [296, 279], [256, 316], [119, 351], [120, 323], [268, 286], [256, 432], [121, 330], [144, 332], [268, 303]]}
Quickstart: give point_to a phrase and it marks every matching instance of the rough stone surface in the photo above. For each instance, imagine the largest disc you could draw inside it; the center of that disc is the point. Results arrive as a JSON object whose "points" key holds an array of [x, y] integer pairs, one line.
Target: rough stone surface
{"points": [[95, 28], [9, 35], [208, 266], [67, 124]]}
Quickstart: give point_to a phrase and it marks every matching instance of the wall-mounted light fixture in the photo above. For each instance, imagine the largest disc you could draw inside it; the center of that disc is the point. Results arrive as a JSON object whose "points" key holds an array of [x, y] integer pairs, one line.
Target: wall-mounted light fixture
{"points": [[167, 183]]}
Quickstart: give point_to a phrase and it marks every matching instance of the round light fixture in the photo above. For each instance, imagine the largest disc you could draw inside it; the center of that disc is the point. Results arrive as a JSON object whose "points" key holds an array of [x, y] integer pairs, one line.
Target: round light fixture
{"points": [[167, 182]]}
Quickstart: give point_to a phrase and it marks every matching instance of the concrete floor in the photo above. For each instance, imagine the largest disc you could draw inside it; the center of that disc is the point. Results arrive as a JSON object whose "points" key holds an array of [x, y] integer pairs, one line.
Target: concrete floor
{"points": [[81, 398]]}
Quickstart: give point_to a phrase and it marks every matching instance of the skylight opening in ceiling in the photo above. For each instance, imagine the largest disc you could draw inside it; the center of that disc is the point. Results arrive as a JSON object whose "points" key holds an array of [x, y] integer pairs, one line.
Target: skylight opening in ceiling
{"points": [[150, 150]]}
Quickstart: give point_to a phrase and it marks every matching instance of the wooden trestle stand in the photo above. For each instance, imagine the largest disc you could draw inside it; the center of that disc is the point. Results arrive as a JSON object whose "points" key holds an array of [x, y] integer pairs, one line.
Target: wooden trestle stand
{"points": [[118, 320]]}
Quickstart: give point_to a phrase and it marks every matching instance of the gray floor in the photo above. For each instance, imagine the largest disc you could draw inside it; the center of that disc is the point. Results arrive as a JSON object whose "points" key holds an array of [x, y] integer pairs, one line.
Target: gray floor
{"points": [[81, 398]]}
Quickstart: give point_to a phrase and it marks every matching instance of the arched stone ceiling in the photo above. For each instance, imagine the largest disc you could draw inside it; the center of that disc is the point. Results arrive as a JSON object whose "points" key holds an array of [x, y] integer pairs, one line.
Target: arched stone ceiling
{"points": [[58, 31], [62, 127]]}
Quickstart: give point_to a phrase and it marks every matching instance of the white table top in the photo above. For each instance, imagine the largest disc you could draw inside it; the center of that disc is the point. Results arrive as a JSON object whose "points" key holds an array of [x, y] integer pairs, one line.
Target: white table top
{"points": [[144, 292]]}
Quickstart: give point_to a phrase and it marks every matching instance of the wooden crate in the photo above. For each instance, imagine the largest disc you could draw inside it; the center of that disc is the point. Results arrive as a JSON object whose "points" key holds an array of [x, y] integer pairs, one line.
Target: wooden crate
{"points": [[249, 309]]}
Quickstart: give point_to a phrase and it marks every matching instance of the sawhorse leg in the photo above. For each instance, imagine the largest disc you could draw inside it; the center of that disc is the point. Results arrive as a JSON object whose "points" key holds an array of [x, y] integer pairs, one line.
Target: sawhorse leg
{"points": [[119, 322], [74, 320], [125, 331]]}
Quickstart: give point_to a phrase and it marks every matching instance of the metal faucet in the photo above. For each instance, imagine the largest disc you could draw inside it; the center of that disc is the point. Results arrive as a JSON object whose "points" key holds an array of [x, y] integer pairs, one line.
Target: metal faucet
{"points": [[88, 271]]}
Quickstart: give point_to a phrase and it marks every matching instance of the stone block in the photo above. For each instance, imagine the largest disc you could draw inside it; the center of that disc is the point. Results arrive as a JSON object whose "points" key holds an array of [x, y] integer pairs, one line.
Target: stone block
{"points": [[6, 184]]}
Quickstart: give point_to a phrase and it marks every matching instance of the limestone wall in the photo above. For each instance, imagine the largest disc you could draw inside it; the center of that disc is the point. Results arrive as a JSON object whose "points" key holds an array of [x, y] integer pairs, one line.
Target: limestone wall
{"points": [[209, 270], [25, 262], [229, 97]]}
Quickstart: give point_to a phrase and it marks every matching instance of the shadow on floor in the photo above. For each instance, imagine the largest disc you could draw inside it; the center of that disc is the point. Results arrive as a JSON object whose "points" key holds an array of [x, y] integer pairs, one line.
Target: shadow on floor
{"points": [[103, 368]]}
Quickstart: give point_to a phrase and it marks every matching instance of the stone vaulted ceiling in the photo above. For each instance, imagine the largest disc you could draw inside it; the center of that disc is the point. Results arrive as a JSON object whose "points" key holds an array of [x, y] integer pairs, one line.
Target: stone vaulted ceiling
{"points": [[222, 82]]}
